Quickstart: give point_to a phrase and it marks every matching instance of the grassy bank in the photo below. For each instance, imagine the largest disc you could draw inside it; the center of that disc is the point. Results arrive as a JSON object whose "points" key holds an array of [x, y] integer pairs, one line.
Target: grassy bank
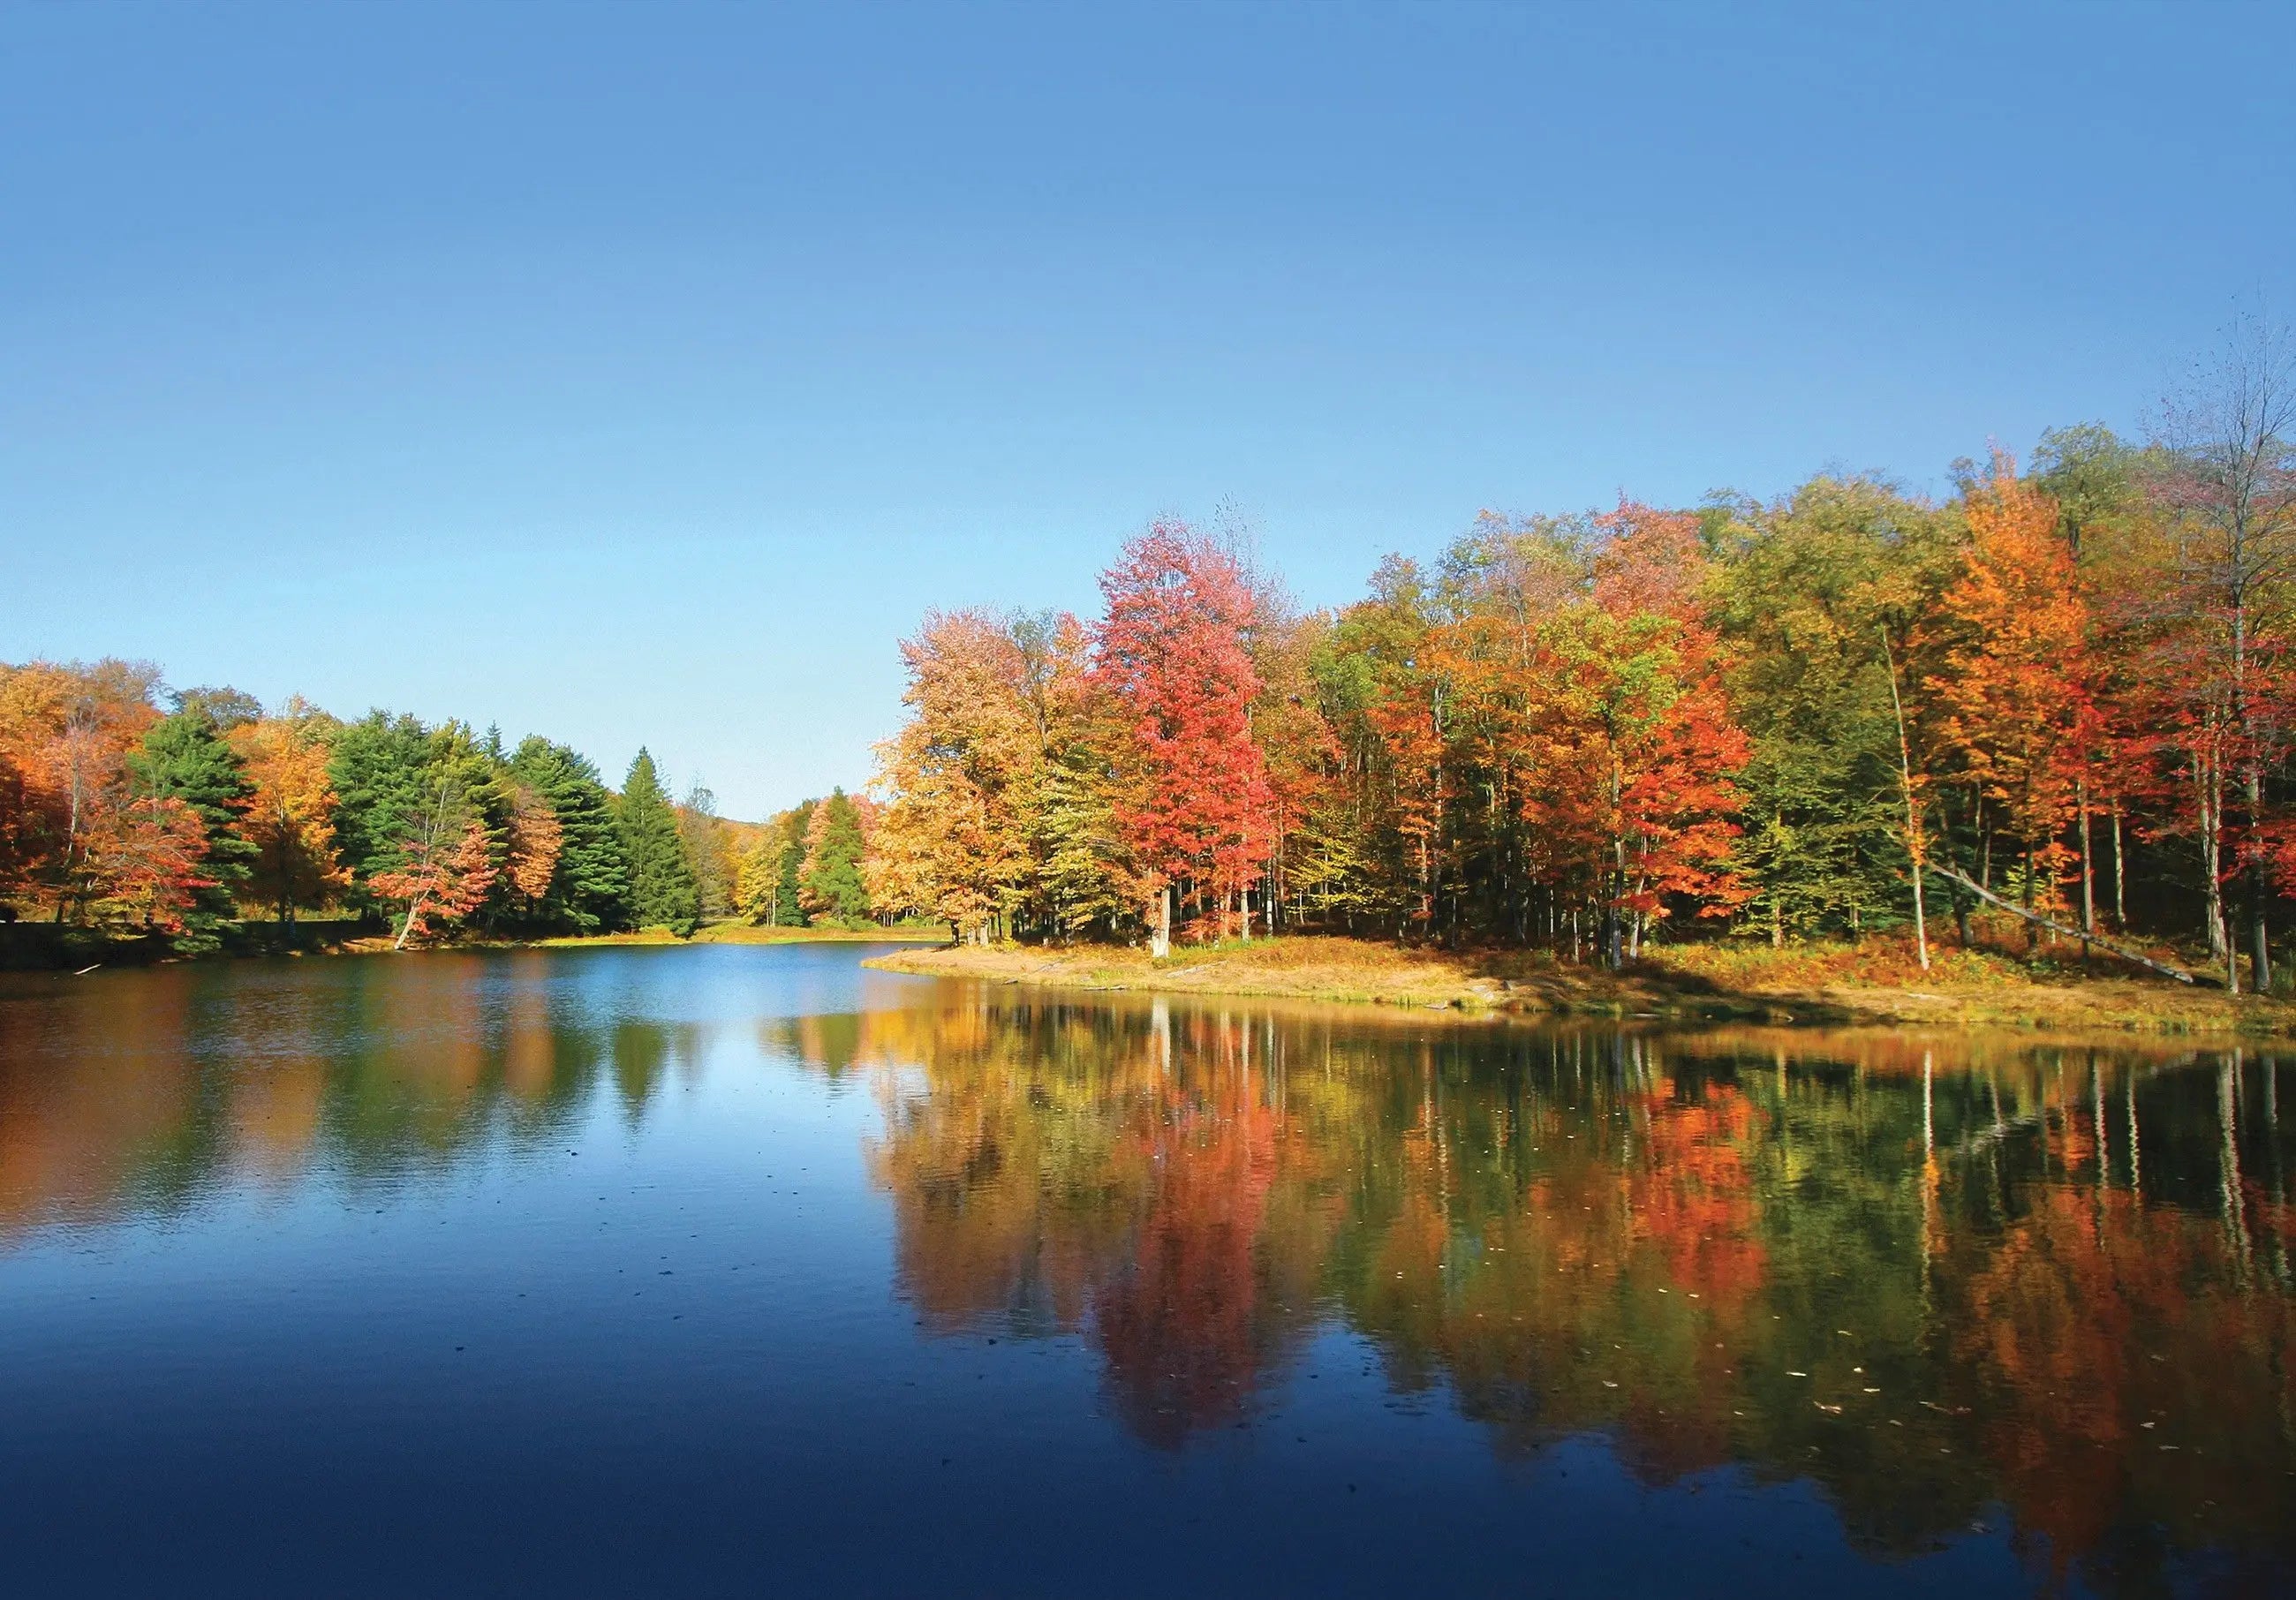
{"points": [[1871, 982]]}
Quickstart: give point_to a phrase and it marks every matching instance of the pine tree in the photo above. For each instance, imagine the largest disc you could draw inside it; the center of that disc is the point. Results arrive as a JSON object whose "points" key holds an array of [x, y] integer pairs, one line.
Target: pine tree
{"points": [[589, 888], [830, 882], [788, 907], [663, 890], [183, 758], [377, 768]]}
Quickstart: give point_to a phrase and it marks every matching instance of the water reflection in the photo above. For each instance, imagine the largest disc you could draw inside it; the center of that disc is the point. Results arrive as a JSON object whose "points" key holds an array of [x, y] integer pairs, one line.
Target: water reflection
{"points": [[1946, 1278], [1939, 1276]]}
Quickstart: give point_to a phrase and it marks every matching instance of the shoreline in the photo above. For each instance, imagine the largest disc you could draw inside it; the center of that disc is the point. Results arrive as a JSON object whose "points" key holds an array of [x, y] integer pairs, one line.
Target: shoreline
{"points": [[1745, 986], [49, 947]]}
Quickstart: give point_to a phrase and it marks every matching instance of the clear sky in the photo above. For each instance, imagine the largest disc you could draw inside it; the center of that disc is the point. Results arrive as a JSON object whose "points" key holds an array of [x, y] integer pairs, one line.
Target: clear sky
{"points": [[640, 373]]}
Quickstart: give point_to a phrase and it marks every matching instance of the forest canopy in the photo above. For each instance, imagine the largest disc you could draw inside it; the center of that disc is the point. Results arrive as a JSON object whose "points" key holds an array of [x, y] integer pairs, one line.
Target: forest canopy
{"points": [[129, 809], [2064, 689]]}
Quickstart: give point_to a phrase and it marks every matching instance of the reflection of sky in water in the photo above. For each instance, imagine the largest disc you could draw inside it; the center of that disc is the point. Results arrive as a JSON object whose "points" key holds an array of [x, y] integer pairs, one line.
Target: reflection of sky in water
{"points": [[724, 1265]]}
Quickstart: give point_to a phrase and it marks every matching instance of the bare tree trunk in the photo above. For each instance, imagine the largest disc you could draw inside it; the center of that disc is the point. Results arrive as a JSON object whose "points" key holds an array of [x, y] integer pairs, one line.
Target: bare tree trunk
{"points": [[2119, 875], [2259, 892], [2210, 782], [2089, 877], [1913, 813], [1159, 936]]}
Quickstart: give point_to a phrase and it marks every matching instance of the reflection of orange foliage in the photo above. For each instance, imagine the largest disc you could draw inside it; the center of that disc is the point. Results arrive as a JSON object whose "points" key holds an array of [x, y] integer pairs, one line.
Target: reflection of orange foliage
{"points": [[1122, 1195], [2119, 1358], [1693, 1195], [1183, 1324], [275, 1113], [69, 1141], [530, 1063]]}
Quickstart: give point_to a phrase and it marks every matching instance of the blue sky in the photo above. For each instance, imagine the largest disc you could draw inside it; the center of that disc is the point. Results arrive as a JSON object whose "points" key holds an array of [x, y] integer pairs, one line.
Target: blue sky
{"points": [[641, 373]]}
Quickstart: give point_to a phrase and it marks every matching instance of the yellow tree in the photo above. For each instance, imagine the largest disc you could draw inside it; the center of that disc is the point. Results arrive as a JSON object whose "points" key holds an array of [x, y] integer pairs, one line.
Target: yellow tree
{"points": [[291, 819], [952, 843]]}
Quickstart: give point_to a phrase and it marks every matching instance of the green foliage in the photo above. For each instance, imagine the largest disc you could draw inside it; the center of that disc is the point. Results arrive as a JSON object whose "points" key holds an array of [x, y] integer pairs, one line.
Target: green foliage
{"points": [[789, 910], [1807, 592], [391, 776], [377, 768], [663, 889], [590, 886], [830, 882], [225, 708], [2096, 480], [1074, 837], [185, 758], [710, 848]]}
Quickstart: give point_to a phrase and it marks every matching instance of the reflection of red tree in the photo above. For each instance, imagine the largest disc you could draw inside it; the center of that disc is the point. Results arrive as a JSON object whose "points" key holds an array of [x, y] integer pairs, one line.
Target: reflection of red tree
{"points": [[2100, 1329], [1183, 1327], [1692, 1197], [1116, 1179]]}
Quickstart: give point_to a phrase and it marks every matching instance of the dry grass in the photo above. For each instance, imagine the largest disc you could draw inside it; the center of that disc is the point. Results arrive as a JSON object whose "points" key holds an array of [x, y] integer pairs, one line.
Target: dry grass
{"points": [[1875, 981]]}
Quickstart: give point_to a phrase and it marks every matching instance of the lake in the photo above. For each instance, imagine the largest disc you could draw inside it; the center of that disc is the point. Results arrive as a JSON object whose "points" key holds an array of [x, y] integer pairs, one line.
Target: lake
{"points": [[746, 1269]]}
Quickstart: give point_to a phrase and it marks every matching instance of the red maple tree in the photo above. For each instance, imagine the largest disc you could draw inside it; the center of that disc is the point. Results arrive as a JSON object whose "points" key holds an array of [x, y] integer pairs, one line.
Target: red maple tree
{"points": [[1173, 651]]}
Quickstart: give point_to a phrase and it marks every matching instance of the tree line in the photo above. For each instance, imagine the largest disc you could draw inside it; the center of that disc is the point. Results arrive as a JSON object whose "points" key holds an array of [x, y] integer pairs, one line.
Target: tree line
{"points": [[1835, 713], [117, 814]]}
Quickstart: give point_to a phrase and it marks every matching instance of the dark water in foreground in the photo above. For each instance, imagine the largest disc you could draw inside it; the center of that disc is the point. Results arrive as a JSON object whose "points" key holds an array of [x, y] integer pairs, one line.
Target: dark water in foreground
{"points": [[744, 1270]]}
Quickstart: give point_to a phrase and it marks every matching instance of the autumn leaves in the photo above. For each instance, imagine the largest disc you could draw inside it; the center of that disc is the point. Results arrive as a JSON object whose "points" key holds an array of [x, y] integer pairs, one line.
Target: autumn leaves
{"points": [[1582, 732], [1541, 733]]}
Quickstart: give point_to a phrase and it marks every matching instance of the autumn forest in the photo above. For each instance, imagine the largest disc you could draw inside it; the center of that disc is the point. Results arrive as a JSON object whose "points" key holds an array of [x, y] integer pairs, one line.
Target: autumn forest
{"points": [[2063, 692], [116, 815], [2052, 706]]}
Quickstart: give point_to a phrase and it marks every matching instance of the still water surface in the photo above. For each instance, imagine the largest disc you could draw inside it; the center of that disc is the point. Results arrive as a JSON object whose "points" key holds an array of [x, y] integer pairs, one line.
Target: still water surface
{"points": [[741, 1270]]}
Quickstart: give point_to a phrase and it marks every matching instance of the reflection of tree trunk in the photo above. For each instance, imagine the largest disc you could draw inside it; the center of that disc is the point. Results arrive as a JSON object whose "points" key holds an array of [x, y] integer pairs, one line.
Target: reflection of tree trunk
{"points": [[2228, 1156], [2135, 1156]]}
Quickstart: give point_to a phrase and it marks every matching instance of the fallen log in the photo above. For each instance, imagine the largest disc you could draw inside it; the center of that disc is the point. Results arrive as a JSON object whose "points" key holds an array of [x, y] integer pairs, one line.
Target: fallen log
{"points": [[2106, 944]]}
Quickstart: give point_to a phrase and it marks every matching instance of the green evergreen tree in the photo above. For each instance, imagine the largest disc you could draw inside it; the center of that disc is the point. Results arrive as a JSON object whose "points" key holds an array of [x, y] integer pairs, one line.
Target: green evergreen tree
{"points": [[377, 767], [185, 758], [663, 890], [831, 885], [590, 889], [790, 912], [390, 774]]}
